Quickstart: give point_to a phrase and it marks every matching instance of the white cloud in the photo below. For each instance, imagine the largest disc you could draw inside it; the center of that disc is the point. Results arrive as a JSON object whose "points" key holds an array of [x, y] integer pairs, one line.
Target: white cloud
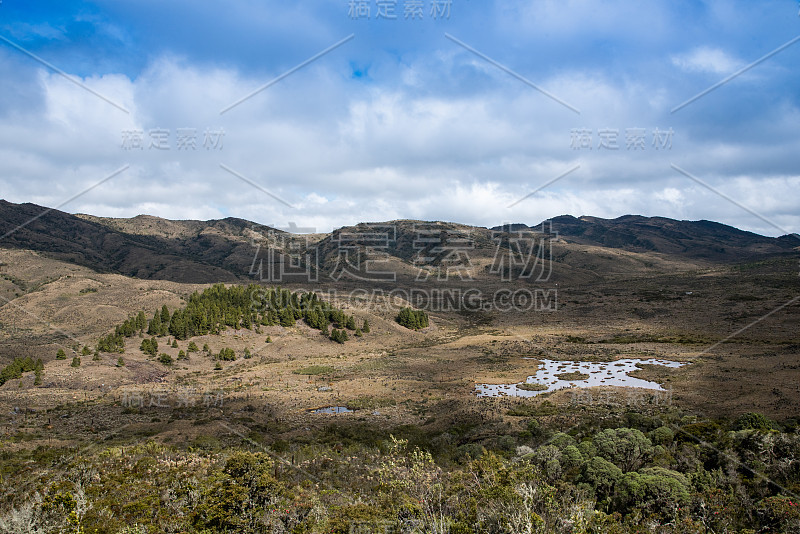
{"points": [[442, 136], [707, 59]]}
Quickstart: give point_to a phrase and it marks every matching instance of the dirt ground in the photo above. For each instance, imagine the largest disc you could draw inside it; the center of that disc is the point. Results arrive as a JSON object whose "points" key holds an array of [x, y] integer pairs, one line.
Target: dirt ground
{"points": [[737, 327]]}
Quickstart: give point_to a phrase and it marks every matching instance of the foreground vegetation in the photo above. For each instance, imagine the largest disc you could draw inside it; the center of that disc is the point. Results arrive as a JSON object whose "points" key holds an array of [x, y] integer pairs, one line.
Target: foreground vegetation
{"points": [[666, 472]]}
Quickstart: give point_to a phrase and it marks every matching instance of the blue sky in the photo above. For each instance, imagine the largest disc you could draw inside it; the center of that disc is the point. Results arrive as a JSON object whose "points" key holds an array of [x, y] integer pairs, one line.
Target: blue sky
{"points": [[408, 117]]}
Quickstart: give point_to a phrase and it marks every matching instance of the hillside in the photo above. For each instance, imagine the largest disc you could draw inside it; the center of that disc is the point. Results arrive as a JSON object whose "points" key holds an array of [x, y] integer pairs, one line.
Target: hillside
{"points": [[697, 240], [587, 248]]}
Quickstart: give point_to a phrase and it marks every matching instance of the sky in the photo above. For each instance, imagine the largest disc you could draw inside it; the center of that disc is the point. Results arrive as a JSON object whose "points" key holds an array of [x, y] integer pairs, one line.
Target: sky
{"points": [[325, 113]]}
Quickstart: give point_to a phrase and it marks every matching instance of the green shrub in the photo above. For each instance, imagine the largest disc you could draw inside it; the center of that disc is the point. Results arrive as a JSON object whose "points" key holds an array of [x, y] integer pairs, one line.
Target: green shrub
{"points": [[227, 355]]}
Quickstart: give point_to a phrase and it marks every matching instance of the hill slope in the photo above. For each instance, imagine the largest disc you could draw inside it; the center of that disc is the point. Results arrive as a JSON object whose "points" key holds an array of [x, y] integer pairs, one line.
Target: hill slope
{"points": [[700, 240]]}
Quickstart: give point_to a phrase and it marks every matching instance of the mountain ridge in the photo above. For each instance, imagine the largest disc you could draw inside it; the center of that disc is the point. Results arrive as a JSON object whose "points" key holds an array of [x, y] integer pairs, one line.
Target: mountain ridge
{"points": [[222, 250]]}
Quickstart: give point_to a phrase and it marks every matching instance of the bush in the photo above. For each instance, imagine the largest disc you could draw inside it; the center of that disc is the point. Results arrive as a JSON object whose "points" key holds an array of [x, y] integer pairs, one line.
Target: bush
{"points": [[76, 362], [226, 355], [753, 421], [120, 362], [627, 448], [192, 347], [182, 355], [149, 346], [166, 359], [61, 355]]}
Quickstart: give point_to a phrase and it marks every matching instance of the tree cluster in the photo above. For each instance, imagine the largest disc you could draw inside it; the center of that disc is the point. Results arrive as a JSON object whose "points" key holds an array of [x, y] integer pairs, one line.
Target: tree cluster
{"points": [[220, 307], [19, 366], [412, 319]]}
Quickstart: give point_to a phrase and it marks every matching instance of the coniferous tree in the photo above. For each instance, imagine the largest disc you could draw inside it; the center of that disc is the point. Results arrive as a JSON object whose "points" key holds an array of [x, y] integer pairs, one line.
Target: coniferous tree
{"points": [[154, 329]]}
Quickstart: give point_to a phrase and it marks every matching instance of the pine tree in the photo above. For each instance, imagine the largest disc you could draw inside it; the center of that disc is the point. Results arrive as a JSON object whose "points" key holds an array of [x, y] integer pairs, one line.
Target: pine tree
{"points": [[141, 321], [365, 328], [154, 329], [61, 355]]}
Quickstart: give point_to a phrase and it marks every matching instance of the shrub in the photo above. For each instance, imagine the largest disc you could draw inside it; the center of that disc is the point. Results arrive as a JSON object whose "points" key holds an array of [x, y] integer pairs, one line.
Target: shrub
{"points": [[753, 421], [61, 355], [149, 346], [76, 362], [627, 448], [166, 359], [192, 347], [226, 355]]}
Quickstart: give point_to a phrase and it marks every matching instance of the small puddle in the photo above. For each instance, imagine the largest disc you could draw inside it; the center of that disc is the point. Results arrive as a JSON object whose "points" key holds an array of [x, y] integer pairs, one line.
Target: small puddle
{"points": [[332, 409], [599, 374]]}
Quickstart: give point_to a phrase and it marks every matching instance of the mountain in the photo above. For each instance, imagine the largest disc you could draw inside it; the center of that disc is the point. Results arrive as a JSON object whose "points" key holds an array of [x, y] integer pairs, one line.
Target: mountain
{"points": [[227, 250], [698, 240], [142, 247]]}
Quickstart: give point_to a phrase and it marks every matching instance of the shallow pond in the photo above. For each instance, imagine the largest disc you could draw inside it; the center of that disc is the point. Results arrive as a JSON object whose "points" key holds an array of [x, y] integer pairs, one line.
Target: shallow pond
{"points": [[599, 374], [332, 409]]}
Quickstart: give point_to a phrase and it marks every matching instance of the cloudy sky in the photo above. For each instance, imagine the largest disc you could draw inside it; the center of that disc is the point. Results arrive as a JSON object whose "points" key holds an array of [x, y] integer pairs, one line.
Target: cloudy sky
{"points": [[324, 113]]}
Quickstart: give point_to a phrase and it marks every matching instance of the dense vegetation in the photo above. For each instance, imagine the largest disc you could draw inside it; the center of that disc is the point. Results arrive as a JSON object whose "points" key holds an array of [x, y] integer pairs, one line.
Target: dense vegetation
{"points": [[220, 307], [19, 366], [413, 319], [633, 473]]}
